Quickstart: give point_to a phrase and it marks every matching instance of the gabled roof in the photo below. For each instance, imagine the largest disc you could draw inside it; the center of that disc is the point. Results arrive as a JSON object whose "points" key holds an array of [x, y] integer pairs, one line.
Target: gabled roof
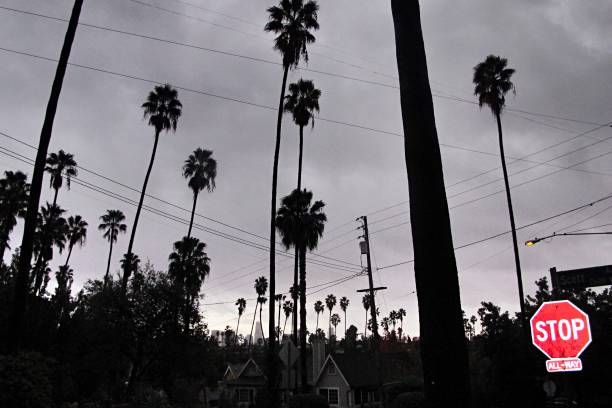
{"points": [[357, 369], [254, 364]]}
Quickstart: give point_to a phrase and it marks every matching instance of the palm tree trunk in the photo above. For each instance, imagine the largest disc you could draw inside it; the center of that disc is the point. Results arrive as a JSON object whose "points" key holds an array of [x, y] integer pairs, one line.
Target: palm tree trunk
{"points": [[365, 328], [285, 325], [273, 372], [296, 260], [317, 329], [277, 328], [299, 184], [55, 196], [237, 327], [110, 254], [127, 268], [195, 200], [329, 325], [4, 239], [295, 296], [517, 260], [442, 335], [17, 321], [38, 273], [70, 246], [253, 325], [345, 324], [261, 325], [303, 320]]}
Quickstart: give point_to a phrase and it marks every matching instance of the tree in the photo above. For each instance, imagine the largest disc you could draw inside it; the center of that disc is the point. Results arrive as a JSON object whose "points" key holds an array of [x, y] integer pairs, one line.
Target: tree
{"points": [[261, 287], [334, 320], [51, 231], [441, 324], [365, 301], [287, 309], [60, 165], [330, 302], [189, 266], [262, 300], [292, 21], [112, 224], [163, 109], [14, 191], [344, 303], [241, 303], [76, 233], [300, 225], [401, 313], [279, 298], [318, 308], [393, 318], [492, 80], [385, 325], [29, 228], [201, 170]]}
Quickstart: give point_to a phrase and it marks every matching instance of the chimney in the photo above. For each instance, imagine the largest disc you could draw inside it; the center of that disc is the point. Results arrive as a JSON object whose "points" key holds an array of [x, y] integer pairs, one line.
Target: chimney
{"points": [[318, 357]]}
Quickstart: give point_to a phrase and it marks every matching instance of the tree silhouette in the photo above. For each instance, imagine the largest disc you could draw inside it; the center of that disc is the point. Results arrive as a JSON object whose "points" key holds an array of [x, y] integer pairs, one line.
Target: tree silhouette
{"points": [[60, 165], [300, 225], [51, 231], [76, 233], [241, 303], [292, 21], [492, 80], [201, 170], [189, 266], [14, 191], [330, 302], [365, 301], [279, 298], [401, 313], [262, 300], [112, 224], [435, 268], [163, 109], [344, 303], [334, 320], [261, 287], [287, 309], [318, 308]]}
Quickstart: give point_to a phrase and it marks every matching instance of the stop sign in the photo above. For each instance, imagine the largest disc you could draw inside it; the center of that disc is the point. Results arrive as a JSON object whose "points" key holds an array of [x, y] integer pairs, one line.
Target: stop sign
{"points": [[562, 332]]}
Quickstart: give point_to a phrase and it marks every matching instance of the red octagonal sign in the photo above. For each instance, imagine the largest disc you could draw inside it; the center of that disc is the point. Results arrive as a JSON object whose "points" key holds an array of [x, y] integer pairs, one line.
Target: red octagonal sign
{"points": [[562, 332]]}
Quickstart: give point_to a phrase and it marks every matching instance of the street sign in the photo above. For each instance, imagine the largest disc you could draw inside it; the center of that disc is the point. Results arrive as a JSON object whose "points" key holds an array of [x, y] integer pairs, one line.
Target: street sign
{"points": [[582, 278], [562, 332]]}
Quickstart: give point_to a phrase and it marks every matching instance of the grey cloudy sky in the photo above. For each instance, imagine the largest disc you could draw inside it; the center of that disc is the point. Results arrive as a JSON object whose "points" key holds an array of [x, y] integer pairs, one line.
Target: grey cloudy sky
{"points": [[562, 55]]}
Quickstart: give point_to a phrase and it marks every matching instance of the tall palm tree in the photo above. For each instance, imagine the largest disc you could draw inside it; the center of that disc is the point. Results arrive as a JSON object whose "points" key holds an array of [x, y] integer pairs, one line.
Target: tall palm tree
{"points": [[292, 21], [440, 315], [112, 224], [334, 321], [262, 300], [60, 165], [365, 301], [401, 313], [287, 309], [261, 287], [385, 325], [344, 303], [393, 318], [51, 231], [301, 223], [279, 298], [241, 303], [201, 170], [17, 322], [318, 308], [189, 266], [493, 80], [76, 233], [163, 109], [330, 302], [14, 191]]}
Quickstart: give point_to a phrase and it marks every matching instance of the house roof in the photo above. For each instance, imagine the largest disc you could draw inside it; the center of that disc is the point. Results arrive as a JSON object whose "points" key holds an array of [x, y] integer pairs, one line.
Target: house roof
{"points": [[357, 369]]}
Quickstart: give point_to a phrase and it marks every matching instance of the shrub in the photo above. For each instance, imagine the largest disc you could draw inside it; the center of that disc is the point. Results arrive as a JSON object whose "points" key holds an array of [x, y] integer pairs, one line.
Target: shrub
{"points": [[308, 401], [25, 381]]}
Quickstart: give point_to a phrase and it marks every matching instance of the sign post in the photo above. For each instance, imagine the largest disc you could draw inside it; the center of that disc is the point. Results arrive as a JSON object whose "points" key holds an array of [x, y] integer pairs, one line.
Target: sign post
{"points": [[562, 332]]}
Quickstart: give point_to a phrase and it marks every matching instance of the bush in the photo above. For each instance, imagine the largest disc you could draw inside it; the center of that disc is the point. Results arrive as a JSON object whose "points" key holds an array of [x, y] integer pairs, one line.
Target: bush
{"points": [[25, 381], [308, 401], [409, 400]]}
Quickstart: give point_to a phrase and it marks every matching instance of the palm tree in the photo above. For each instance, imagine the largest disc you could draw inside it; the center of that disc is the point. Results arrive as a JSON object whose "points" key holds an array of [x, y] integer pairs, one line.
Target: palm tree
{"points": [[435, 267], [344, 303], [112, 224], [189, 266], [334, 321], [287, 309], [318, 308], [261, 287], [492, 80], [300, 225], [60, 165], [302, 102], [393, 318], [385, 325], [17, 322], [330, 302], [51, 231], [130, 261], [401, 313], [365, 301], [163, 109], [279, 298], [292, 21], [241, 303], [14, 191], [201, 170], [76, 233], [262, 300]]}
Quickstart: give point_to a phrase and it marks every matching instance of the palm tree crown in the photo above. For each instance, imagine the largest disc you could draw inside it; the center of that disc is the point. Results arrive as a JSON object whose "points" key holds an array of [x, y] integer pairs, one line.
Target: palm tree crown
{"points": [[112, 224], [201, 169], [302, 102], [241, 303], [14, 193], [261, 286], [300, 223], [60, 165], [330, 302], [492, 80], [77, 230], [292, 21], [344, 302], [189, 263], [163, 108]]}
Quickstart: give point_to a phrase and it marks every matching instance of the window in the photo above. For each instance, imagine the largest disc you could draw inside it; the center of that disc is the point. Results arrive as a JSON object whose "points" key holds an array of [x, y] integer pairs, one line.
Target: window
{"points": [[331, 368], [331, 394], [245, 395]]}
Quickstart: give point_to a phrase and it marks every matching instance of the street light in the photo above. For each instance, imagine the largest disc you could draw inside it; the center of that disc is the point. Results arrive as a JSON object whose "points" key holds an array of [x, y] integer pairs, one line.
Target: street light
{"points": [[534, 241]]}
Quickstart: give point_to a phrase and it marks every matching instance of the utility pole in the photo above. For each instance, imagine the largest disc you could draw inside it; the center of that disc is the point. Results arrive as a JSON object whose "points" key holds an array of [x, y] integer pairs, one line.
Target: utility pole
{"points": [[366, 237]]}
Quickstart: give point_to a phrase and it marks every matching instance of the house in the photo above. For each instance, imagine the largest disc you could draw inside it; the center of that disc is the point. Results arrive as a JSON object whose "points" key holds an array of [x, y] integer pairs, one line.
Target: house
{"points": [[241, 383], [349, 380]]}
